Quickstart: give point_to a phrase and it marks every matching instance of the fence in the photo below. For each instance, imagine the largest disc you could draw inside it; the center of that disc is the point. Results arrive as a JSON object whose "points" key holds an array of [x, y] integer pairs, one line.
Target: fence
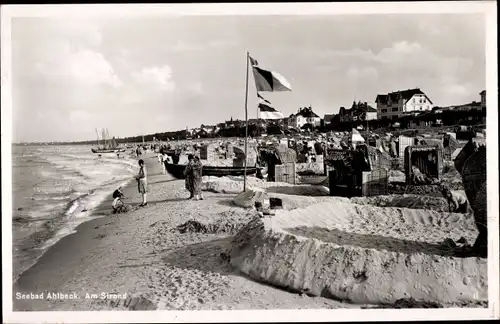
{"points": [[285, 173], [375, 183], [404, 142]]}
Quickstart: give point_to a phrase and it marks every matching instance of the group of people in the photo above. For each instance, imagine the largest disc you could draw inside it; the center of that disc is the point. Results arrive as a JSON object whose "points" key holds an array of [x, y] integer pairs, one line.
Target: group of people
{"points": [[142, 185], [192, 173]]}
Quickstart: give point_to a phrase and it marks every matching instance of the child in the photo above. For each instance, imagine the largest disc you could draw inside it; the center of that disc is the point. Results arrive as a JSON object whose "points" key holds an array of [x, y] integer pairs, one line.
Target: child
{"points": [[117, 200], [457, 203]]}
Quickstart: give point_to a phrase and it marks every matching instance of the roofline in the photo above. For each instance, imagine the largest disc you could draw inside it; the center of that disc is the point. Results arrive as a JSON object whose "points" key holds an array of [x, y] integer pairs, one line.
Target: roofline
{"points": [[424, 95]]}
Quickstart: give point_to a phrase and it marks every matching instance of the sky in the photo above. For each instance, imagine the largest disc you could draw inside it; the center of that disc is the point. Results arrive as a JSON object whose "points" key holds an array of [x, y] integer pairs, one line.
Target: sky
{"points": [[156, 74]]}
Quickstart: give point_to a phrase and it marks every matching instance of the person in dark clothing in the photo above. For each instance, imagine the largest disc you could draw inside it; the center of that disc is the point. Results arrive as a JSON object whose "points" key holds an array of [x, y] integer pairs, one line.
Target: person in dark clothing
{"points": [[188, 176], [176, 157], [193, 173]]}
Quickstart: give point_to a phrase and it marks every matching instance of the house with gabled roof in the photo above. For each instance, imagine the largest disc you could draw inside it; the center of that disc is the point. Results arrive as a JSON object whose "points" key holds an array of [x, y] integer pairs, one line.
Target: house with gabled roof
{"points": [[304, 116], [398, 103], [359, 111]]}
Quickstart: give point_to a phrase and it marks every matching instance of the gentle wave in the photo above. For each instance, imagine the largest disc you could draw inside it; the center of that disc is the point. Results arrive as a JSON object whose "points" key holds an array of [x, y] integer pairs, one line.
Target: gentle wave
{"points": [[55, 189]]}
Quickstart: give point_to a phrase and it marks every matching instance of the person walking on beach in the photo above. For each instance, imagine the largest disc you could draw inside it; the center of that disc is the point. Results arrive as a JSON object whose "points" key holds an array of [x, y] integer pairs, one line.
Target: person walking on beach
{"points": [[193, 173], [142, 182]]}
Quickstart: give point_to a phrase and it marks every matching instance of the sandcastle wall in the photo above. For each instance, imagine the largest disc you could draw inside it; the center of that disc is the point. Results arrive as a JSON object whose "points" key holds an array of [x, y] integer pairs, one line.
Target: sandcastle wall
{"points": [[362, 254]]}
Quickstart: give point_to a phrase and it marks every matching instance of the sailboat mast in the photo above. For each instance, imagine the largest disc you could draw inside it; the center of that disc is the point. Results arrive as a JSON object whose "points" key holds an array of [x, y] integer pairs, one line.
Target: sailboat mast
{"points": [[103, 135], [97, 133]]}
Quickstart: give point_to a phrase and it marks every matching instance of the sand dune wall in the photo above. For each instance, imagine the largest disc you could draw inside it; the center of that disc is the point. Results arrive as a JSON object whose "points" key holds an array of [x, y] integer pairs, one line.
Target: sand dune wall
{"points": [[362, 254]]}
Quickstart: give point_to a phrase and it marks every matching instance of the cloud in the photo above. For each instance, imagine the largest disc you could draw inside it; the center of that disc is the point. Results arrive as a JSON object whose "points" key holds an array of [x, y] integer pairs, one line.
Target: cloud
{"points": [[456, 90], [78, 65], [160, 76], [191, 61], [362, 73]]}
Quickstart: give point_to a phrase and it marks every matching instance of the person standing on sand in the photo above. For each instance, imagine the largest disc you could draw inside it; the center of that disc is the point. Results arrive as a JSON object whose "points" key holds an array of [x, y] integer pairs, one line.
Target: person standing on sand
{"points": [[193, 173], [142, 182], [165, 160], [188, 175], [196, 177]]}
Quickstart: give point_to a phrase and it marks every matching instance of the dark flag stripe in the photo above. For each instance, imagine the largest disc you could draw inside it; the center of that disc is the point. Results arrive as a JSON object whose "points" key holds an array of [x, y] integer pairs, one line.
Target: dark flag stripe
{"points": [[263, 79], [264, 107]]}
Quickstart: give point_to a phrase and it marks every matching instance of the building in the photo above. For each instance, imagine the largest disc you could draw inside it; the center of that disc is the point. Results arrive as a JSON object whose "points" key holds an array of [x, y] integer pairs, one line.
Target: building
{"points": [[395, 104], [327, 120], [470, 106], [483, 98], [359, 111], [304, 116]]}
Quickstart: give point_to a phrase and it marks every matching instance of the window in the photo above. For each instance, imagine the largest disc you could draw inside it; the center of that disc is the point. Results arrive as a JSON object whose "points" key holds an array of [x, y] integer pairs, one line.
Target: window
{"points": [[414, 100], [395, 109], [384, 111]]}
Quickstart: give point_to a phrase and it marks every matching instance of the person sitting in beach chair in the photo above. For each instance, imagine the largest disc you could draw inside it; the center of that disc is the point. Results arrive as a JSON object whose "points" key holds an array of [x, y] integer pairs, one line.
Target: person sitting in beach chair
{"points": [[118, 205]]}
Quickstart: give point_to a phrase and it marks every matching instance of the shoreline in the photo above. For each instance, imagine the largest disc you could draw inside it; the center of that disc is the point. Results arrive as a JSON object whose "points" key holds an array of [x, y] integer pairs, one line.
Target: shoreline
{"points": [[28, 279], [34, 246], [53, 233]]}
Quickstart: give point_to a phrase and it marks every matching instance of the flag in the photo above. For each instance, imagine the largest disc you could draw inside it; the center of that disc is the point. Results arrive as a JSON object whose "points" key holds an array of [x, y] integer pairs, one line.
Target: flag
{"points": [[268, 112], [253, 61], [262, 100], [266, 80]]}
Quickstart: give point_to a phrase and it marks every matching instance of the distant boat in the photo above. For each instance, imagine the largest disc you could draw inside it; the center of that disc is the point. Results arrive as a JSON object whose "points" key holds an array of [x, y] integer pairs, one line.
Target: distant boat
{"points": [[109, 146]]}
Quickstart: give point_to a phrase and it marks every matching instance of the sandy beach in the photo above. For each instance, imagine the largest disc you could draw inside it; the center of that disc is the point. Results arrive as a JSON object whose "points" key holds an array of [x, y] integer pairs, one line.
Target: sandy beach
{"points": [[143, 255], [177, 254]]}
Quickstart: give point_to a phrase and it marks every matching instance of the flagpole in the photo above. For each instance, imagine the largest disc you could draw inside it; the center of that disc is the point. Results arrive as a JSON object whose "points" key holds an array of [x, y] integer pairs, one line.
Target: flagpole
{"points": [[246, 130]]}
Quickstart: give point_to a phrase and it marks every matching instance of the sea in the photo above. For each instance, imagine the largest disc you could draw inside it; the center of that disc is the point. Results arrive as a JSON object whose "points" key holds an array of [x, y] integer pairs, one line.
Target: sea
{"points": [[55, 189]]}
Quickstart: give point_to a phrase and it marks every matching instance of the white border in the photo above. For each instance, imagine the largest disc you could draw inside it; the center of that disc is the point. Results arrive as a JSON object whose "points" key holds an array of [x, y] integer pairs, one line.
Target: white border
{"points": [[128, 10]]}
